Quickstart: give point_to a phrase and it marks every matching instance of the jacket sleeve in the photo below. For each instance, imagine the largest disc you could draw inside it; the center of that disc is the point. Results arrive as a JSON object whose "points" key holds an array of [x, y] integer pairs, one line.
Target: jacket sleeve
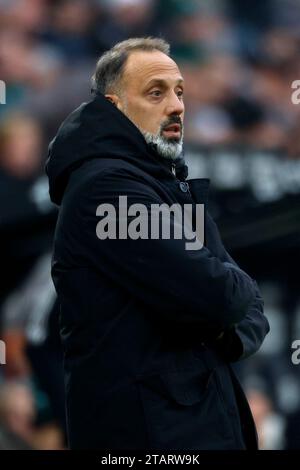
{"points": [[190, 287], [246, 337]]}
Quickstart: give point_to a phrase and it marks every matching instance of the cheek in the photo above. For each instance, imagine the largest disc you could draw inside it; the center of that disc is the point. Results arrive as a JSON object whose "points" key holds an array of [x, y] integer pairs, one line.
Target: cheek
{"points": [[153, 124], [152, 118], [147, 118], [145, 115]]}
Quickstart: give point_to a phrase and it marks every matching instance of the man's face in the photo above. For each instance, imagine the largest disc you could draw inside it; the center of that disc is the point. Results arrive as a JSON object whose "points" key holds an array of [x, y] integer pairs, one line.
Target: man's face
{"points": [[152, 95]]}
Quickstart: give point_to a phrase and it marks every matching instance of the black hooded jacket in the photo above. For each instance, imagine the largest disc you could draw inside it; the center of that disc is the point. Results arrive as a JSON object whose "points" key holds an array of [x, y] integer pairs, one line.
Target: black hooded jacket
{"points": [[148, 327]]}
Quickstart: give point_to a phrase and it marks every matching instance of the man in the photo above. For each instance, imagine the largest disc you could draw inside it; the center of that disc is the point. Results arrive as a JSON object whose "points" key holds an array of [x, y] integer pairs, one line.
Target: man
{"points": [[149, 327]]}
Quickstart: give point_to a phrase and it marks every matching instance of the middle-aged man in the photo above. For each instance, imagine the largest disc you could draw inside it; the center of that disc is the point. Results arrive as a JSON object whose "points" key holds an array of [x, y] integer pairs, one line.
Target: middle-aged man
{"points": [[149, 327]]}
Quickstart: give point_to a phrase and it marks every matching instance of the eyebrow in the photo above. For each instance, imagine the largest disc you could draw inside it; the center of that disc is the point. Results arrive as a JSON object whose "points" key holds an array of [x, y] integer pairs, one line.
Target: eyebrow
{"points": [[161, 82]]}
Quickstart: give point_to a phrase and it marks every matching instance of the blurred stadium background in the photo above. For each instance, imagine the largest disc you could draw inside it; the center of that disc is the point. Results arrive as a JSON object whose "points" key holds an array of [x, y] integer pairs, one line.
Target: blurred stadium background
{"points": [[239, 59]]}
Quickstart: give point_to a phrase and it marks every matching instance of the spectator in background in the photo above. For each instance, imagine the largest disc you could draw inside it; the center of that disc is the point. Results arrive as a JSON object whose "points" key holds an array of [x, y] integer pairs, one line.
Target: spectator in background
{"points": [[30, 331], [18, 428], [17, 414], [121, 19], [270, 425], [27, 66], [21, 149], [25, 16], [71, 29]]}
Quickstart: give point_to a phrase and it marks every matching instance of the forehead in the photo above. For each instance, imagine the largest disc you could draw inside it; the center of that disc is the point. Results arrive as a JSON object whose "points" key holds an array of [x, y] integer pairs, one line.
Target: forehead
{"points": [[143, 66]]}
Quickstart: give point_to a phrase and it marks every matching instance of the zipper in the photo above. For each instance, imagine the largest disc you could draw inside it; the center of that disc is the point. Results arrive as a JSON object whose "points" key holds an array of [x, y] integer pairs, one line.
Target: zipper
{"points": [[173, 169]]}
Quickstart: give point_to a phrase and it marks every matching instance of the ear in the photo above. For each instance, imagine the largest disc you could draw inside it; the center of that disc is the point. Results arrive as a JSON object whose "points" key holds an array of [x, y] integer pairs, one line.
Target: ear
{"points": [[114, 99]]}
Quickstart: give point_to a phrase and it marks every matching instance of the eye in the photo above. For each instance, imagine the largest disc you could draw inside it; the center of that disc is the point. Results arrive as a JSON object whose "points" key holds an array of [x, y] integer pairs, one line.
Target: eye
{"points": [[156, 93], [180, 93]]}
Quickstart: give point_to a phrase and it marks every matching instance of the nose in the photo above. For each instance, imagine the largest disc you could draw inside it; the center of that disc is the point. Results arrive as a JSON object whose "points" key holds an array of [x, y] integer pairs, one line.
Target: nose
{"points": [[175, 105]]}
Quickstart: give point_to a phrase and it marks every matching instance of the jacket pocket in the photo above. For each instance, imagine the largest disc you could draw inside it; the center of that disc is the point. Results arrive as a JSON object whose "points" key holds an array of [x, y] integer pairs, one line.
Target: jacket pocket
{"points": [[182, 410]]}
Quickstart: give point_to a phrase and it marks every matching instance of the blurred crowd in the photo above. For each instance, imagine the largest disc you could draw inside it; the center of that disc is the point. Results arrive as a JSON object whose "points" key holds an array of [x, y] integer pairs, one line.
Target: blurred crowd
{"points": [[239, 60]]}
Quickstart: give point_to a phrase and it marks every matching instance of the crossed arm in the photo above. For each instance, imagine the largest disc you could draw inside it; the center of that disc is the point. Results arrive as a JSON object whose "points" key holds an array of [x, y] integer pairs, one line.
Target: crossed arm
{"points": [[197, 288], [246, 336]]}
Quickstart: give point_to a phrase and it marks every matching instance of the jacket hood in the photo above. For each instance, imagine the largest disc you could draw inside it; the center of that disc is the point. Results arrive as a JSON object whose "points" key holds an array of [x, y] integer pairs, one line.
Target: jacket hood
{"points": [[97, 129]]}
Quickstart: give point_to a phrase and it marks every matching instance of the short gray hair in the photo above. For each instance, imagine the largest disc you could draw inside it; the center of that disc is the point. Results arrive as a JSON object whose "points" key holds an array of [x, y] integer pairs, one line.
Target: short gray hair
{"points": [[110, 66]]}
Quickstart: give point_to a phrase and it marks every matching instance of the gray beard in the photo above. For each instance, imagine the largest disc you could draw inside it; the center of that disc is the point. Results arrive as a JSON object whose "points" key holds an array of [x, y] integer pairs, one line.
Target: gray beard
{"points": [[164, 147]]}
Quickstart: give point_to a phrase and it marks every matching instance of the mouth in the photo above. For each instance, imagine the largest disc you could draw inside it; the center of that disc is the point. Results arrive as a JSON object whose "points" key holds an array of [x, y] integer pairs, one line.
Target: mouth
{"points": [[173, 131]]}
